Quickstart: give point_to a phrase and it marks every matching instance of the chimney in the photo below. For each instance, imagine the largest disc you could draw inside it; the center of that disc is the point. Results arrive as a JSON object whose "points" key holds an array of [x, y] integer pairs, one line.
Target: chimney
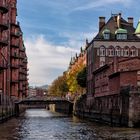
{"points": [[130, 20], [119, 20], [101, 22]]}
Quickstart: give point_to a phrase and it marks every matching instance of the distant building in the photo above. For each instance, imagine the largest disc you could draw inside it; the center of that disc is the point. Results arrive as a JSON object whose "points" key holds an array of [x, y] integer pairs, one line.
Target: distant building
{"points": [[32, 92], [37, 92]]}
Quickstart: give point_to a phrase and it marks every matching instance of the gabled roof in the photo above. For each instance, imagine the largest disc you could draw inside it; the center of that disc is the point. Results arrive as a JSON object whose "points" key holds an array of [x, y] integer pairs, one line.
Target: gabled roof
{"points": [[106, 31], [137, 31], [112, 25]]}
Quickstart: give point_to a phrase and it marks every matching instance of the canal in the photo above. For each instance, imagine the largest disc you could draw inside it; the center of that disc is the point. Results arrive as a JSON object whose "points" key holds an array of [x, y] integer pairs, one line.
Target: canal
{"points": [[40, 124]]}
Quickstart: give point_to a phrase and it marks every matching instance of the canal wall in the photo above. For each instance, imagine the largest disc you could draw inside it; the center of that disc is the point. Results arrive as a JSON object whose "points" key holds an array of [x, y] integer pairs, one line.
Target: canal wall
{"points": [[118, 110], [7, 108], [66, 107]]}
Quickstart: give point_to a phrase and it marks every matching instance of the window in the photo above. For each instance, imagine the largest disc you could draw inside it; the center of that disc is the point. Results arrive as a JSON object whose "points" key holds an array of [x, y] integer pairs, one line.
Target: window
{"points": [[121, 36], [126, 51], [133, 51], [138, 83], [102, 63], [106, 36], [111, 51], [118, 51], [101, 51], [98, 52]]}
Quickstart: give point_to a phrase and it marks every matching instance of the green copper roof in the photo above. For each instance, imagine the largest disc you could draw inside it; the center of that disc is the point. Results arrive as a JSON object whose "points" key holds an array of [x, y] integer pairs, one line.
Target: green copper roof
{"points": [[137, 31], [106, 31], [121, 31]]}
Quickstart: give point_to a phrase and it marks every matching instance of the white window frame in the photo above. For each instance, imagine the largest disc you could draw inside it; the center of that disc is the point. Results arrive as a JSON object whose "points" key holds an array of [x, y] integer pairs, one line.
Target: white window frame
{"points": [[110, 52], [126, 52], [118, 51], [106, 36], [121, 36]]}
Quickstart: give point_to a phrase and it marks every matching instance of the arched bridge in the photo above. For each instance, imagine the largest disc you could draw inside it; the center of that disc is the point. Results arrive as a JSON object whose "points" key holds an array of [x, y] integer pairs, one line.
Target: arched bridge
{"points": [[61, 105]]}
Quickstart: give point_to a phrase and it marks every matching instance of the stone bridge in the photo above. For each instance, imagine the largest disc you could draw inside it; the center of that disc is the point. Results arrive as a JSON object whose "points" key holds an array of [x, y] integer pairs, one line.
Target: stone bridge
{"points": [[61, 105]]}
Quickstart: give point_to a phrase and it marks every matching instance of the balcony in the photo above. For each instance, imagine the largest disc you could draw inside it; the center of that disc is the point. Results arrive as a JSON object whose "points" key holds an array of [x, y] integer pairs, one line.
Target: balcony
{"points": [[3, 6], [21, 65], [3, 41], [3, 65], [15, 81], [14, 44], [22, 49], [14, 23], [14, 55], [21, 56], [23, 72], [20, 90], [16, 33], [25, 61], [14, 66], [3, 24]]}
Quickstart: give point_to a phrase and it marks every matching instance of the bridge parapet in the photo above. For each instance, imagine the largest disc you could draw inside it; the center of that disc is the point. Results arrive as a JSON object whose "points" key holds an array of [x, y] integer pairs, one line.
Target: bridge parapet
{"points": [[61, 105]]}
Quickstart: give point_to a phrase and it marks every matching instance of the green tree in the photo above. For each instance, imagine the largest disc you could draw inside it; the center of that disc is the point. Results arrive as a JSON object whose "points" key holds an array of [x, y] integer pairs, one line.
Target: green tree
{"points": [[82, 77]]}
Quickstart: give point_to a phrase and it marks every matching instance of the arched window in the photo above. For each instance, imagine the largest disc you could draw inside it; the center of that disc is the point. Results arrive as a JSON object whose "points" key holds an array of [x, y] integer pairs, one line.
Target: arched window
{"points": [[118, 51], [111, 51], [133, 51], [102, 51], [126, 51]]}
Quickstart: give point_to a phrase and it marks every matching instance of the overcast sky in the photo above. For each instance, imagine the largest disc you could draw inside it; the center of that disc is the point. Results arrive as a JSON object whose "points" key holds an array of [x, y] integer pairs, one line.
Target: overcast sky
{"points": [[54, 30]]}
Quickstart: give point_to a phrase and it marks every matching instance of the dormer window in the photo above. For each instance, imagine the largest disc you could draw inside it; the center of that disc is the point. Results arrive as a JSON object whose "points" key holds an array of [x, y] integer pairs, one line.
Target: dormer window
{"points": [[121, 34], [106, 34]]}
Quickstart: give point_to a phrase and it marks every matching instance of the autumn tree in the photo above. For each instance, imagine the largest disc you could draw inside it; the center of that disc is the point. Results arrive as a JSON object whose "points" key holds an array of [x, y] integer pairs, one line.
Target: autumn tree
{"points": [[59, 87], [72, 82], [82, 77]]}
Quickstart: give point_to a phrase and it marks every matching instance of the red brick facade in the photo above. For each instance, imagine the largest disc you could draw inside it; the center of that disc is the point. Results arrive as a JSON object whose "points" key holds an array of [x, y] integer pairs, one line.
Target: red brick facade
{"points": [[13, 59], [113, 65]]}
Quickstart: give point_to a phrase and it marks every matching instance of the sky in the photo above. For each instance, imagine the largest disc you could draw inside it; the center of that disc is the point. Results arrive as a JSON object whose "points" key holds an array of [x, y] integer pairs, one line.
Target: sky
{"points": [[54, 31]]}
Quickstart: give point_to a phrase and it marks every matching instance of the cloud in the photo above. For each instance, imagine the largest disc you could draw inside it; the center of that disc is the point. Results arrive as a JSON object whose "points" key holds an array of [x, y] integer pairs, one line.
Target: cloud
{"points": [[46, 61], [77, 39], [102, 3]]}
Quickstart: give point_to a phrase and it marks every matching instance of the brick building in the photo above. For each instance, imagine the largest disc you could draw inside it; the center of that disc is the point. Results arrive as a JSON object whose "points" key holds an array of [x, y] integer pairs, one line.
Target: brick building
{"points": [[13, 59], [113, 64]]}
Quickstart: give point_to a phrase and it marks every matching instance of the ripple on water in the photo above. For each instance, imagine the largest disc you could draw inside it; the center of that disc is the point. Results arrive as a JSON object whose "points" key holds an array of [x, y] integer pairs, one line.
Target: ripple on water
{"points": [[38, 124]]}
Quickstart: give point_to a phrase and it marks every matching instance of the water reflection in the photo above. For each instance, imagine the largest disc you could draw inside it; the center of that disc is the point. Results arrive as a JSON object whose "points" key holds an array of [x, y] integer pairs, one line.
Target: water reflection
{"points": [[39, 124]]}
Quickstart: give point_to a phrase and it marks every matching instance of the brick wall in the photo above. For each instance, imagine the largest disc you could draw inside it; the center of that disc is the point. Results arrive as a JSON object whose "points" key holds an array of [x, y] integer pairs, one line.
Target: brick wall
{"points": [[128, 78], [134, 108]]}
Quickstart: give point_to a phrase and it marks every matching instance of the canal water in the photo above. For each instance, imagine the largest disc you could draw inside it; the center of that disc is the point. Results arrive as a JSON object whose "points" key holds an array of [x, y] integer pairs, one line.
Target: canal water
{"points": [[40, 124]]}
